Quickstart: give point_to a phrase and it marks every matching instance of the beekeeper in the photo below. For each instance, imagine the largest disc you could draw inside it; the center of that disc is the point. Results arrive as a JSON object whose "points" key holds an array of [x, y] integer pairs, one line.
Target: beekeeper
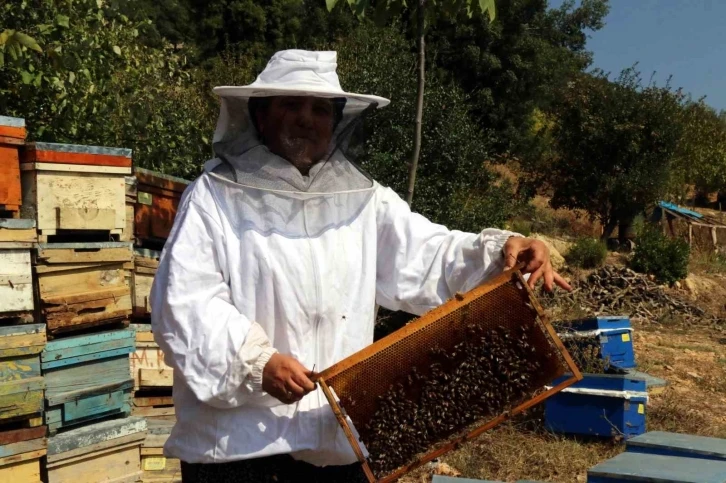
{"points": [[279, 253]]}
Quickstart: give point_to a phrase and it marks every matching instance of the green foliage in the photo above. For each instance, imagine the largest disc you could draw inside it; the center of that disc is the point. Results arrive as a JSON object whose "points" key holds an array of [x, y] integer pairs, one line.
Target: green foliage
{"points": [[587, 253], [656, 254], [453, 186], [615, 146], [701, 157], [95, 82], [517, 64]]}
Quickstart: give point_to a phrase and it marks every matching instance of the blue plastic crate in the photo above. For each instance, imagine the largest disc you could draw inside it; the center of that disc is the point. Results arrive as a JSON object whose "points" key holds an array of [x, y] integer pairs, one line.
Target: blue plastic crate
{"points": [[614, 334], [674, 444], [663, 469], [599, 405]]}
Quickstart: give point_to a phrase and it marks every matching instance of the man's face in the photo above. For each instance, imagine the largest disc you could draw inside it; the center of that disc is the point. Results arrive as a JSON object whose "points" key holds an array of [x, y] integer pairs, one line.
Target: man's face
{"points": [[298, 128]]}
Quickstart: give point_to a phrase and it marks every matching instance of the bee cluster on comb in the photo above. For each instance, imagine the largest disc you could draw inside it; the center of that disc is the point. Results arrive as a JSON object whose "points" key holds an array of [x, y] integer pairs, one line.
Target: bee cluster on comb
{"points": [[486, 374]]}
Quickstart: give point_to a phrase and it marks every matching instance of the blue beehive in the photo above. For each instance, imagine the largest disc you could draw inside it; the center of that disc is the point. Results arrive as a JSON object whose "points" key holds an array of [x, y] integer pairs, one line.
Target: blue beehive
{"points": [[87, 377], [615, 337], [674, 444], [663, 469], [599, 405]]}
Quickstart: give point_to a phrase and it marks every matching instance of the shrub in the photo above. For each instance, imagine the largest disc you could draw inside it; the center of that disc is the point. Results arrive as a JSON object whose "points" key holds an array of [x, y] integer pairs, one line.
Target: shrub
{"points": [[587, 253], [656, 254]]}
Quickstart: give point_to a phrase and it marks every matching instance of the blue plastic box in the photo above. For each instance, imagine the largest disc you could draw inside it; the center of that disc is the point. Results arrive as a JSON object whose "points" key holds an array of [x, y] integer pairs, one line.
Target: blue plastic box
{"points": [[657, 468], [674, 444], [606, 405], [615, 335]]}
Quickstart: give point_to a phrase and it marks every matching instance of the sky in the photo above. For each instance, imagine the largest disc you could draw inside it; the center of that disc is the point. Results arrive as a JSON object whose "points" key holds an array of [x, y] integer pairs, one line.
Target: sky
{"points": [[682, 38]]}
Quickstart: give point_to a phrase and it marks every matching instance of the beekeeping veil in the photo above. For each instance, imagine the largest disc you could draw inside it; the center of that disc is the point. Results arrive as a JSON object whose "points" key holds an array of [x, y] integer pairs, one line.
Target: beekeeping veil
{"points": [[269, 193]]}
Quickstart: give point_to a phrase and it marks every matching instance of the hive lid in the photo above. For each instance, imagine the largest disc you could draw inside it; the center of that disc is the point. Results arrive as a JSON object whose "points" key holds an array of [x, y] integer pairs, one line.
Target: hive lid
{"points": [[76, 154], [88, 347], [648, 467], [12, 130], [133, 427]]}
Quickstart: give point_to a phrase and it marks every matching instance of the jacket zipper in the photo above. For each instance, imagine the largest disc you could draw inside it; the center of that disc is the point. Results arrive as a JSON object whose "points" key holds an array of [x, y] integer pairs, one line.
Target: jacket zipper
{"points": [[316, 283]]}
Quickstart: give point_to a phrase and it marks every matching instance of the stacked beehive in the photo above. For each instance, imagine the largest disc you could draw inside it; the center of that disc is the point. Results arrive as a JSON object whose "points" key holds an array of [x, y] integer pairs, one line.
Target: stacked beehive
{"points": [[155, 198], [76, 196], [22, 434]]}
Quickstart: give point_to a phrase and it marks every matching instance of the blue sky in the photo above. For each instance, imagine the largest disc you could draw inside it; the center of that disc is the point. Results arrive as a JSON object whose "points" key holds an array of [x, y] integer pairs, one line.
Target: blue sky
{"points": [[682, 38]]}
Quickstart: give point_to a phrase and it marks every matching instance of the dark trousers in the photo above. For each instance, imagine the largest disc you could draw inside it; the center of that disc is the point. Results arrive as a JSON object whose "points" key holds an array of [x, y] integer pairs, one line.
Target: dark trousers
{"points": [[272, 469]]}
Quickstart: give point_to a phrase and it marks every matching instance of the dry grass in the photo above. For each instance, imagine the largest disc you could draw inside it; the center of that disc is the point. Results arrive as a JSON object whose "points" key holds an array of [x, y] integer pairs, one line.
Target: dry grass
{"points": [[707, 262], [511, 453]]}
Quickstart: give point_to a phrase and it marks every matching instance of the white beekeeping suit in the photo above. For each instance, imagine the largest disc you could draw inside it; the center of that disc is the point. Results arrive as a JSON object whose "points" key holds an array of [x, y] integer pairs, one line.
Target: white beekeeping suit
{"points": [[263, 259]]}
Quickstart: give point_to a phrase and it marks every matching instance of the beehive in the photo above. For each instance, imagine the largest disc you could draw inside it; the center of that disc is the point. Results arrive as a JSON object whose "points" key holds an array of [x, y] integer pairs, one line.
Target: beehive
{"points": [[642, 467], [148, 368], [87, 377], [83, 284], [75, 193], [17, 236], [612, 336], [21, 382], [156, 467], [608, 405], [12, 138], [361, 382], [676, 444], [145, 264], [157, 200], [21, 451], [105, 451]]}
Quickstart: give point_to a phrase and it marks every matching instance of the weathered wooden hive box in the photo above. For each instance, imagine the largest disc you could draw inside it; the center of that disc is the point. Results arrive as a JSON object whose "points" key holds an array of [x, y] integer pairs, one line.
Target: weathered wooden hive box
{"points": [[158, 197], [83, 284], [12, 138], [87, 377], [155, 466], [130, 187], [147, 365], [145, 264], [21, 382], [69, 189], [106, 451], [17, 236], [21, 451]]}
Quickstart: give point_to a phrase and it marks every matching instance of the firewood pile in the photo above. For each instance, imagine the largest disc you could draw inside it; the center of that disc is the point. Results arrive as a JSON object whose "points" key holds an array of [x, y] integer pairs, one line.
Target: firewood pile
{"points": [[619, 290]]}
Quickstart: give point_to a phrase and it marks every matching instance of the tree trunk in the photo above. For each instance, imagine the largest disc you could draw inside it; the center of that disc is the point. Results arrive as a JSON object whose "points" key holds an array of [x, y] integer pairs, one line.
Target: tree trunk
{"points": [[419, 103], [608, 229]]}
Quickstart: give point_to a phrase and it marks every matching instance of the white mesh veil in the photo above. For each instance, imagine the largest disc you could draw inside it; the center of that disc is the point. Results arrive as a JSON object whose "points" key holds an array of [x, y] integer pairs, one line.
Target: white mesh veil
{"points": [[256, 189]]}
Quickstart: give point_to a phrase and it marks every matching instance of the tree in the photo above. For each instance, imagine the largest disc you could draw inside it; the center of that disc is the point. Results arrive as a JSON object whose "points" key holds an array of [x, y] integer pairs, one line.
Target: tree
{"points": [[616, 143], [453, 186], [387, 8], [515, 66], [702, 150]]}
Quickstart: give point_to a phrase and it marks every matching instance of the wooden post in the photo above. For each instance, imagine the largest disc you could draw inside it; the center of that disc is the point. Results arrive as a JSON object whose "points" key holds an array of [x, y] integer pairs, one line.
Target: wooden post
{"points": [[690, 234], [714, 238]]}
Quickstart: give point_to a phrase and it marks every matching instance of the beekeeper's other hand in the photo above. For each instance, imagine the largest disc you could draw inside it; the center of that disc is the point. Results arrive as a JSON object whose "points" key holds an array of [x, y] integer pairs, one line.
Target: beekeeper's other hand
{"points": [[535, 256]]}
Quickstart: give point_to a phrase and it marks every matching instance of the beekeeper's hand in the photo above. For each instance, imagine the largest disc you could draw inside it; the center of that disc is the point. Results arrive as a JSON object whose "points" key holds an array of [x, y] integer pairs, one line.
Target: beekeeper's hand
{"points": [[535, 256], [284, 378]]}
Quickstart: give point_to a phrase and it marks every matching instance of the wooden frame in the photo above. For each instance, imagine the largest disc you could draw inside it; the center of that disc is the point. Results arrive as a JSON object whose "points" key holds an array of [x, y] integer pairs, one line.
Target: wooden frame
{"points": [[456, 303]]}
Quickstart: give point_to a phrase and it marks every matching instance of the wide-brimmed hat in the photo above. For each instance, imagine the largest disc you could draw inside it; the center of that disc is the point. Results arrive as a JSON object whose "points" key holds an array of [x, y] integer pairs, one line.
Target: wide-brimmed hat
{"points": [[299, 73]]}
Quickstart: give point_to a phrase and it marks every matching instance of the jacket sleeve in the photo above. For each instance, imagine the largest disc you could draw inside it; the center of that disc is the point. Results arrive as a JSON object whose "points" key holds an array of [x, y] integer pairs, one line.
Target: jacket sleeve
{"points": [[421, 265], [215, 349]]}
